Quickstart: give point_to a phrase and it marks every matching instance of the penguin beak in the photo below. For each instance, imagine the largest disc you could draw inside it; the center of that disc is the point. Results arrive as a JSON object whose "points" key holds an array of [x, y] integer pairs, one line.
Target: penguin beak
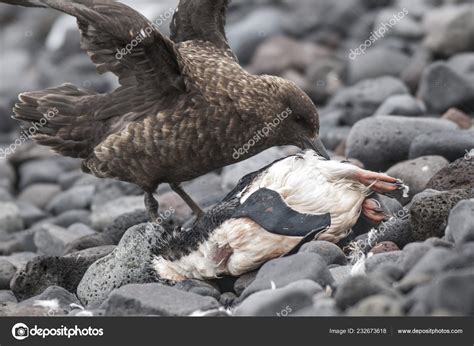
{"points": [[316, 145]]}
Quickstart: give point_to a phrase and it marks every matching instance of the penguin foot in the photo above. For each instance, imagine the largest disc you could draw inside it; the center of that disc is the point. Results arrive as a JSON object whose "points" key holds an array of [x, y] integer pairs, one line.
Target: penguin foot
{"points": [[373, 211], [378, 182]]}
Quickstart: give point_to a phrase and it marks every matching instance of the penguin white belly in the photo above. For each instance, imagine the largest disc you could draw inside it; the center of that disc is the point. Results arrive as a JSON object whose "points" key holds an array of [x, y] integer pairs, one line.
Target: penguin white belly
{"points": [[307, 185], [236, 247]]}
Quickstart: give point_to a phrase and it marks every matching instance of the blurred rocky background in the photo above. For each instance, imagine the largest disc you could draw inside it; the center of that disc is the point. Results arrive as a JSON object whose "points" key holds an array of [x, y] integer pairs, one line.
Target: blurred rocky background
{"points": [[401, 103]]}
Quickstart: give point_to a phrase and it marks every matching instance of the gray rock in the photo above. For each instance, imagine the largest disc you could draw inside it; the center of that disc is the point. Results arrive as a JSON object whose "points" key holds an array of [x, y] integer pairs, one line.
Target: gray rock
{"points": [[89, 241], [383, 141], [362, 100], [377, 305], [357, 288], [7, 271], [377, 62], [441, 88], [340, 274], [322, 306], [328, 16], [437, 242], [418, 172], [10, 218], [124, 222], [44, 171], [388, 272], [375, 261], [281, 53], [332, 137], [71, 217], [17, 60], [411, 254], [458, 117], [280, 302], [53, 240], [43, 272], [227, 299], [107, 190], [384, 247], [206, 191], [30, 213], [390, 205], [39, 194], [443, 28], [198, 287], [5, 195], [54, 301], [19, 259], [67, 179], [18, 242], [7, 175], [461, 222], [111, 234], [245, 35], [92, 254], [78, 197], [458, 175], [7, 296], [324, 78], [104, 215], [452, 144], [244, 281], [155, 299], [429, 215], [331, 118], [422, 57], [331, 253], [434, 262], [405, 105], [449, 293], [408, 28], [463, 64], [123, 266], [397, 230], [31, 151], [283, 271]]}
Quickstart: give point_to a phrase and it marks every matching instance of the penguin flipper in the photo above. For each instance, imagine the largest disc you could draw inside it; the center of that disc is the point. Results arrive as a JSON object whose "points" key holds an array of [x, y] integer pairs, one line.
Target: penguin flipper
{"points": [[268, 209]]}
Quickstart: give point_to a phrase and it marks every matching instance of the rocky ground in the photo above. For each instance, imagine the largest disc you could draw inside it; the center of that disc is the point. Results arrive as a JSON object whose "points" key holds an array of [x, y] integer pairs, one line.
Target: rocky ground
{"points": [[71, 244]]}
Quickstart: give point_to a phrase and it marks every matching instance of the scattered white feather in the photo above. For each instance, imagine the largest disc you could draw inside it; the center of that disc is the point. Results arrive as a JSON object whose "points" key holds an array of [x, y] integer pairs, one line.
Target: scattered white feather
{"points": [[406, 190], [372, 236], [272, 284], [51, 305], [200, 313], [77, 306], [359, 267], [84, 313], [356, 252]]}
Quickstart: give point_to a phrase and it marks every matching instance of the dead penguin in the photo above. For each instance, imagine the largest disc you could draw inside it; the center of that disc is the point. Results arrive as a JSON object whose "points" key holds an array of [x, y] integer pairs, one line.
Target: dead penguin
{"points": [[271, 213]]}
